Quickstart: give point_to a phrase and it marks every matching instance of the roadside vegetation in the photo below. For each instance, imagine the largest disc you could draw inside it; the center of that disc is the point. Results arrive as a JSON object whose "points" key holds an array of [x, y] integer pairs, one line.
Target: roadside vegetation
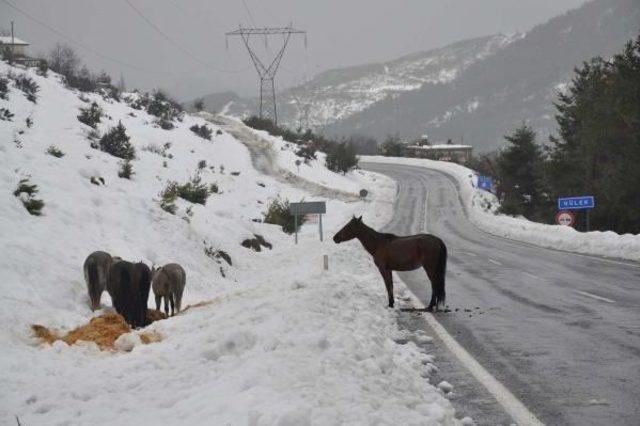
{"points": [[26, 192], [65, 61], [194, 191], [392, 147], [278, 213], [341, 155], [596, 150], [116, 142]]}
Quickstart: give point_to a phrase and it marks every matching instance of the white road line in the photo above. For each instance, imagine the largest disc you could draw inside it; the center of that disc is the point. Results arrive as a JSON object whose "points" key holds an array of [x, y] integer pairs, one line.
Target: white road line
{"points": [[468, 253], [425, 211], [533, 276], [512, 405], [495, 262], [594, 296], [520, 414]]}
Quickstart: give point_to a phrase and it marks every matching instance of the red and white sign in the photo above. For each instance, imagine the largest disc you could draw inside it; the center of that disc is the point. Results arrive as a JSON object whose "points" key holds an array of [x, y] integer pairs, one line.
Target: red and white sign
{"points": [[566, 218]]}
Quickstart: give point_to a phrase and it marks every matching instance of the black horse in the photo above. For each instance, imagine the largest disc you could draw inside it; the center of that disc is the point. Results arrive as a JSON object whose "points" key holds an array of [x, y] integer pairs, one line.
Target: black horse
{"points": [[393, 253], [128, 285]]}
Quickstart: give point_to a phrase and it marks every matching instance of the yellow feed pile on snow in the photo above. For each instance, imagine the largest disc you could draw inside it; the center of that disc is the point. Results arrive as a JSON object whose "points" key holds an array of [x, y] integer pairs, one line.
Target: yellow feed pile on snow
{"points": [[44, 334], [213, 301], [150, 337], [153, 315], [197, 305], [103, 330]]}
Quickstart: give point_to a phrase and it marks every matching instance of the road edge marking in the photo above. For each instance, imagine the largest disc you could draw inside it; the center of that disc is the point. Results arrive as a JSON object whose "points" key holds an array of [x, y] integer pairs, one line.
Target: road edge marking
{"points": [[595, 296], [530, 275], [512, 405], [520, 414]]}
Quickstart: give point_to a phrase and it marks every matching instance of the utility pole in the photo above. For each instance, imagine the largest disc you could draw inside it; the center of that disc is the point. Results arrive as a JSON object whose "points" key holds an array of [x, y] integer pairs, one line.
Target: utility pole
{"points": [[267, 73], [13, 42]]}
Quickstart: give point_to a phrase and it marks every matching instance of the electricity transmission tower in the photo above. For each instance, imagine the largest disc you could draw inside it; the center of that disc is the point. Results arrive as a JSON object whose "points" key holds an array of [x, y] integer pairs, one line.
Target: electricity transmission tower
{"points": [[267, 70]]}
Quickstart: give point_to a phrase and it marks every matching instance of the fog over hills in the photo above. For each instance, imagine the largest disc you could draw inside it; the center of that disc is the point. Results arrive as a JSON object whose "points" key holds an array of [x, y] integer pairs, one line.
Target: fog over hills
{"points": [[475, 90]]}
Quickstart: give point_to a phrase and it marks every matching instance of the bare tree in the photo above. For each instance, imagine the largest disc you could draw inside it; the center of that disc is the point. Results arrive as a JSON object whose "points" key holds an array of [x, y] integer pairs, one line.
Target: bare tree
{"points": [[198, 104], [121, 84], [64, 60]]}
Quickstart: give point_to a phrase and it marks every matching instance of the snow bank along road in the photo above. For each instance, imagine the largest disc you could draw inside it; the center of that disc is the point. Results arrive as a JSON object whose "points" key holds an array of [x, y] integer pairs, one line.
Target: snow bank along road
{"points": [[561, 331]]}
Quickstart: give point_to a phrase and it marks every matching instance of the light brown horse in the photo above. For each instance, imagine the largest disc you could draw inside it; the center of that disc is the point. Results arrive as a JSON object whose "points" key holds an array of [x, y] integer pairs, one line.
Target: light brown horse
{"points": [[168, 282], [392, 253]]}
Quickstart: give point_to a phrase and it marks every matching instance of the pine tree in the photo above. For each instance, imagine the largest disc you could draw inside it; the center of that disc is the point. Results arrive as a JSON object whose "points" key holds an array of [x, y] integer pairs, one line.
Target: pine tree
{"points": [[520, 166], [598, 147], [341, 158], [392, 147], [91, 116], [198, 105], [116, 142]]}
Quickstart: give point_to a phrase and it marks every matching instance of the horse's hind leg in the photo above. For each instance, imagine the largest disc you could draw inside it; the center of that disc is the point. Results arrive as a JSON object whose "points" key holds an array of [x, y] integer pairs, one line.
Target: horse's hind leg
{"points": [[388, 282], [158, 301], [166, 306], [431, 276], [171, 299]]}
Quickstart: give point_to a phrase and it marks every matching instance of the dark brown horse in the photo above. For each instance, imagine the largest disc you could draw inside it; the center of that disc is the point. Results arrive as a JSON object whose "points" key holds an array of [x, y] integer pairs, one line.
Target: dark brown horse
{"points": [[392, 253]]}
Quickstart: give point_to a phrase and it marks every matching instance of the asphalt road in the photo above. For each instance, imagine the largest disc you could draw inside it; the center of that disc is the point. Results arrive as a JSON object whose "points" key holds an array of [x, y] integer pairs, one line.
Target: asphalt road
{"points": [[561, 331]]}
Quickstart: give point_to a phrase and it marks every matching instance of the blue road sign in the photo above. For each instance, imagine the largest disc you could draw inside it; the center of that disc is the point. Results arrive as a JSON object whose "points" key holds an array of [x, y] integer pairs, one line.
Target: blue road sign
{"points": [[485, 182], [574, 203]]}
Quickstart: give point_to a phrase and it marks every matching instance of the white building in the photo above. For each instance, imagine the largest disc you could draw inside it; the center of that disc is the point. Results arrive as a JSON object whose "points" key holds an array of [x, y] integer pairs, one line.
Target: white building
{"points": [[445, 152], [14, 45], [448, 151]]}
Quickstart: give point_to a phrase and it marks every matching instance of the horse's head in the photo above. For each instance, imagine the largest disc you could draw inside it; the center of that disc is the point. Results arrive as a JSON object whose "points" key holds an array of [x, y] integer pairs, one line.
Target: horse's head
{"points": [[349, 231], [154, 270]]}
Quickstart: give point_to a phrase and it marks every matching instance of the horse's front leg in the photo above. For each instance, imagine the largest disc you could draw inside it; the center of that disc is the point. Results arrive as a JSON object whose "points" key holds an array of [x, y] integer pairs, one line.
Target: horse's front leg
{"points": [[388, 282]]}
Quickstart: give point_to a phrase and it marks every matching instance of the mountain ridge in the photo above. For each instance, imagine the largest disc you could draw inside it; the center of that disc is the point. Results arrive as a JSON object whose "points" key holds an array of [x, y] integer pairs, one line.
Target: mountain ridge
{"points": [[517, 83], [474, 90]]}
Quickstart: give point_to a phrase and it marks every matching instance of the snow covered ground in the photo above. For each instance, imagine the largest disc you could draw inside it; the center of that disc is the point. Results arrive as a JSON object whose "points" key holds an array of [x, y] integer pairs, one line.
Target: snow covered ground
{"points": [[282, 341], [481, 209]]}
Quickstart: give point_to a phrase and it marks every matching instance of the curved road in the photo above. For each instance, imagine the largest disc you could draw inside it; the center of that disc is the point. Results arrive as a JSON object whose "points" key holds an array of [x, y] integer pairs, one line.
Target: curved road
{"points": [[561, 331]]}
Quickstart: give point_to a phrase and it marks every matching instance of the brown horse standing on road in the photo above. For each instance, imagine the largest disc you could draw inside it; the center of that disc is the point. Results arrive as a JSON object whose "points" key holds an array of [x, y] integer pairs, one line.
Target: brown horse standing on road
{"points": [[393, 253]]}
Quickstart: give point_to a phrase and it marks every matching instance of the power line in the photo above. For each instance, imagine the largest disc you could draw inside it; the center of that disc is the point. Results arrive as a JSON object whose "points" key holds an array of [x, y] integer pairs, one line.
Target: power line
{"points": [[175, 43], [253, 22], [200, 13], [89, 48]]}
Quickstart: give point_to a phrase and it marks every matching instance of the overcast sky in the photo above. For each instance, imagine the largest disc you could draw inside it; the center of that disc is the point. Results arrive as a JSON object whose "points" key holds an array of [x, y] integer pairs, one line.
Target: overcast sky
{"points": [[191, 58]]}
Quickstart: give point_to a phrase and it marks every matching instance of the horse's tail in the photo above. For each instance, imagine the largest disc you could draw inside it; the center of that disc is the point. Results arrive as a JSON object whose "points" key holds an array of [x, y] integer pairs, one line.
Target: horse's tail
{"points": [[441, 271]]}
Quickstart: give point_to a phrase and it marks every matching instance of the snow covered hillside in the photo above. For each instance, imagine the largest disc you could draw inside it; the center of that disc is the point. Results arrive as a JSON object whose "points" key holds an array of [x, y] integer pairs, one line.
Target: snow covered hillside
{"points": [[481, 207], [337, 94], [279, 341], [519, 81]]}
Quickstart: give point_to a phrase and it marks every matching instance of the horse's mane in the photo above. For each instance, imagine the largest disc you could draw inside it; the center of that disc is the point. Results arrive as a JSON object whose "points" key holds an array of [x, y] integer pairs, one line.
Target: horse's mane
{"points": [[384, 236], [387, 236]]}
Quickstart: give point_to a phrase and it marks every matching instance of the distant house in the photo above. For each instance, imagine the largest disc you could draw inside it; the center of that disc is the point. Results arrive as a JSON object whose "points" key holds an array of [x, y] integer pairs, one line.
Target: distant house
{"points": [[448, 151], [13, 45]]}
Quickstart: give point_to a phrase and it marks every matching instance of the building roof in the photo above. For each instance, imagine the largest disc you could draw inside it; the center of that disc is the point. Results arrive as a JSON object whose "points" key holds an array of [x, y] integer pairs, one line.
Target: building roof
{"points": [[440, 147], [16, 41]]}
